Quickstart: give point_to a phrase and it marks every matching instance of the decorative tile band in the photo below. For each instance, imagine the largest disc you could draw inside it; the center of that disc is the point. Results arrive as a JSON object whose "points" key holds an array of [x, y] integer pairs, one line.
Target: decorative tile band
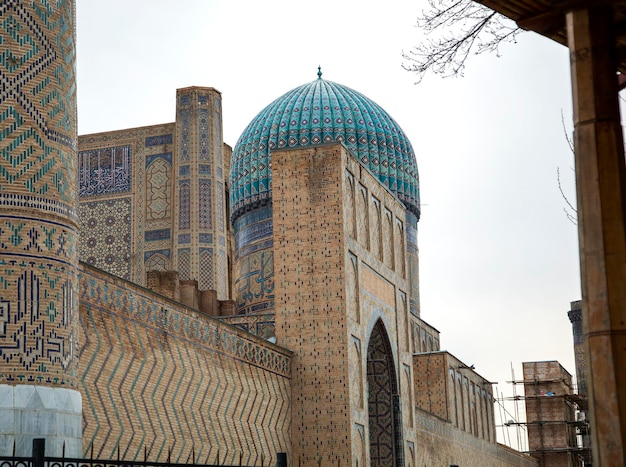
{"points": [[161, 234], [158, 140], [141, 307], [12, 200], [205, 238]]}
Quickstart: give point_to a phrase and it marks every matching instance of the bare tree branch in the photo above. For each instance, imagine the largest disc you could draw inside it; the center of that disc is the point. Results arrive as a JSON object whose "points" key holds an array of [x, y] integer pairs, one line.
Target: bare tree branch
{"points": [[566, 134], [458, 28], [572, 212]]}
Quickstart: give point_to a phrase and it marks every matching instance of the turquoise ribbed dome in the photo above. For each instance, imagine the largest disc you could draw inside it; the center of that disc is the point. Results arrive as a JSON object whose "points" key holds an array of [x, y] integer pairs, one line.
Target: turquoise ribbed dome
{"points": [[315, 113]]}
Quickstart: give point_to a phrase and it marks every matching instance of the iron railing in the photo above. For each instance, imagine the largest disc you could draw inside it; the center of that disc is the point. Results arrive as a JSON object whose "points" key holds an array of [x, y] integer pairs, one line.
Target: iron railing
{"points": [[39, 459]]}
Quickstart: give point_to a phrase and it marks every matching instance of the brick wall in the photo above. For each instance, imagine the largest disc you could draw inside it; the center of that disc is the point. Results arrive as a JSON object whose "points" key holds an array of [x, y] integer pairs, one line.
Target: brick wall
{"points": [[158, 376], [340, 272], [441, 444]]}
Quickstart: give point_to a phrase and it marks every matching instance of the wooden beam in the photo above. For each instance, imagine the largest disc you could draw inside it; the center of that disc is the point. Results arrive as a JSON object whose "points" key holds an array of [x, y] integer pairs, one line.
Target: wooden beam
{"points": [[547, 23], [601, 190]]}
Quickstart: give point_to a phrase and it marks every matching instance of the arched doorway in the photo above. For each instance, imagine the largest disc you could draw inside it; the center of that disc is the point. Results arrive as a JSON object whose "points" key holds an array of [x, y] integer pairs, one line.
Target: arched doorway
{"points": [[385, 422]]}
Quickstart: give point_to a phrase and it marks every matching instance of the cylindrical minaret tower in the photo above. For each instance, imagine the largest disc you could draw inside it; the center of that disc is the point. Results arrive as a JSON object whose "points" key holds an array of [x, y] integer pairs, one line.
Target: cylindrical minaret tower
{"points": [[38, 228]]}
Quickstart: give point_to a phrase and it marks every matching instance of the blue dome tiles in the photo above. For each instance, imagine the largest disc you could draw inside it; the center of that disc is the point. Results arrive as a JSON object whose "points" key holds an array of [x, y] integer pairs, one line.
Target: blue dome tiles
{"points": [[315, 113]]}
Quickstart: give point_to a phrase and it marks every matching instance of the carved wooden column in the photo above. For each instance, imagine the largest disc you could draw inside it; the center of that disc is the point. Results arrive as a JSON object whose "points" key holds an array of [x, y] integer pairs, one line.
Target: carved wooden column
{"points": [[601, 179]]}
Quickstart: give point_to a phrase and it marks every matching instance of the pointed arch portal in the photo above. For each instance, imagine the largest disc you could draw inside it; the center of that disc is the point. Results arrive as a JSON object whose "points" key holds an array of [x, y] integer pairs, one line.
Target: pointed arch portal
{"points": [[385, 422]]}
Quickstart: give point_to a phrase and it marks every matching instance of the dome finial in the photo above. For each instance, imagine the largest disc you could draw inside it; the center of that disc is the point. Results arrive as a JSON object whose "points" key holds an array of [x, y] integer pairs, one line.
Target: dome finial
{"points": [[319, 72]]}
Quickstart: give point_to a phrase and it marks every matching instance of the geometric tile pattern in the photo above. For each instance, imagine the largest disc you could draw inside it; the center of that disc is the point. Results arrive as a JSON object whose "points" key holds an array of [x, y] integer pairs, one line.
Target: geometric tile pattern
{"points": [[220, 206], [184, 120], [322, 112], [222, 274], [204, 205], [38, 237], [381, 388], [261, 324], [205, 281], [37, 302], [157, 376], [203, 133], [184, 215], [37, 116], [105, 239], [157, 262], [158, 189]]}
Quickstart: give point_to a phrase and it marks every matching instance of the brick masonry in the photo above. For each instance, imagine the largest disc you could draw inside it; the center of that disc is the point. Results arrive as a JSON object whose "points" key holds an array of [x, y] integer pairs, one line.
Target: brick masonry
{"points": [[38, 221], [336, 282], [158, 376], [136, 193]]}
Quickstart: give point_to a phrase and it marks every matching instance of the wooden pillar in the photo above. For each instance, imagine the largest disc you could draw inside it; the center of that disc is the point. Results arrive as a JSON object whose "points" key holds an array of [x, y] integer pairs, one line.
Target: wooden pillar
{"points": [[601, 179]]}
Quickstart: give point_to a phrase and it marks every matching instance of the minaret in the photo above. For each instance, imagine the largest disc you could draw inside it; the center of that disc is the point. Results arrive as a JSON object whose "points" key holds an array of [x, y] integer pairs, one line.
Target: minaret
{"points": [[38, 229], [200, 237]]}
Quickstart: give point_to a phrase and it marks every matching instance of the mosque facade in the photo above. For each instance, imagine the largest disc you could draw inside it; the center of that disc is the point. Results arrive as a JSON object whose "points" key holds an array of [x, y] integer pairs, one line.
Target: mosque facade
{"points": [[228, 304]]}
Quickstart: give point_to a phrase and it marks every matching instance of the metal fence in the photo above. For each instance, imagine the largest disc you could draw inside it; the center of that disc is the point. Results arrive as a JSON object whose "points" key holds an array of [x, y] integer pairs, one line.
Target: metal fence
{"points": [[39, 459]]}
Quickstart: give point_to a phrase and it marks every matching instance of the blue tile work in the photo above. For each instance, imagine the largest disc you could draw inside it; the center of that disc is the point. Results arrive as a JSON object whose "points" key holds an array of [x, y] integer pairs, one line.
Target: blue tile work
{"points": [[205, 238], [184, 238], [217, 124], [203, 134], [38, 181], [204, 169], [184, 214], [254, 287], [105, 239], [204, 206], [158, 140], [167, 156], [37, 301], [157, 261], [205, 281], [220, 206], [322, 112], [158, 176], [249, 249], [253, 233], [262, 325], [104, 171], [160, 234], [164, 252], [171, 364], [185, 120], [183, 171]]}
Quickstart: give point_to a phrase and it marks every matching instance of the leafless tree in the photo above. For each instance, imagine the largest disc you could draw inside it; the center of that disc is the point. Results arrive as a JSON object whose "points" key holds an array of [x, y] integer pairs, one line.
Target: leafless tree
{"points": [[457, 28]]}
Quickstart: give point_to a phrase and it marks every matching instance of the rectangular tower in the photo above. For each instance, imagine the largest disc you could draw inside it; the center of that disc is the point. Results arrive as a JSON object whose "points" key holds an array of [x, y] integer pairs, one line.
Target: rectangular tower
{"points": [[154, 198], [342, 306]]}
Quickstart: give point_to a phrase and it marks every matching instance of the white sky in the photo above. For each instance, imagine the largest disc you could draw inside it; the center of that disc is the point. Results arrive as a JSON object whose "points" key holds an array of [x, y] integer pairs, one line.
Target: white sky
{"points": [[498, 257]]}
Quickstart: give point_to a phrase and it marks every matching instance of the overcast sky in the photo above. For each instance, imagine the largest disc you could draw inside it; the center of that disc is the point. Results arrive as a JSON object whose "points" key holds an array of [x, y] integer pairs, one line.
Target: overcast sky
{"points": [[498, 256]]}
